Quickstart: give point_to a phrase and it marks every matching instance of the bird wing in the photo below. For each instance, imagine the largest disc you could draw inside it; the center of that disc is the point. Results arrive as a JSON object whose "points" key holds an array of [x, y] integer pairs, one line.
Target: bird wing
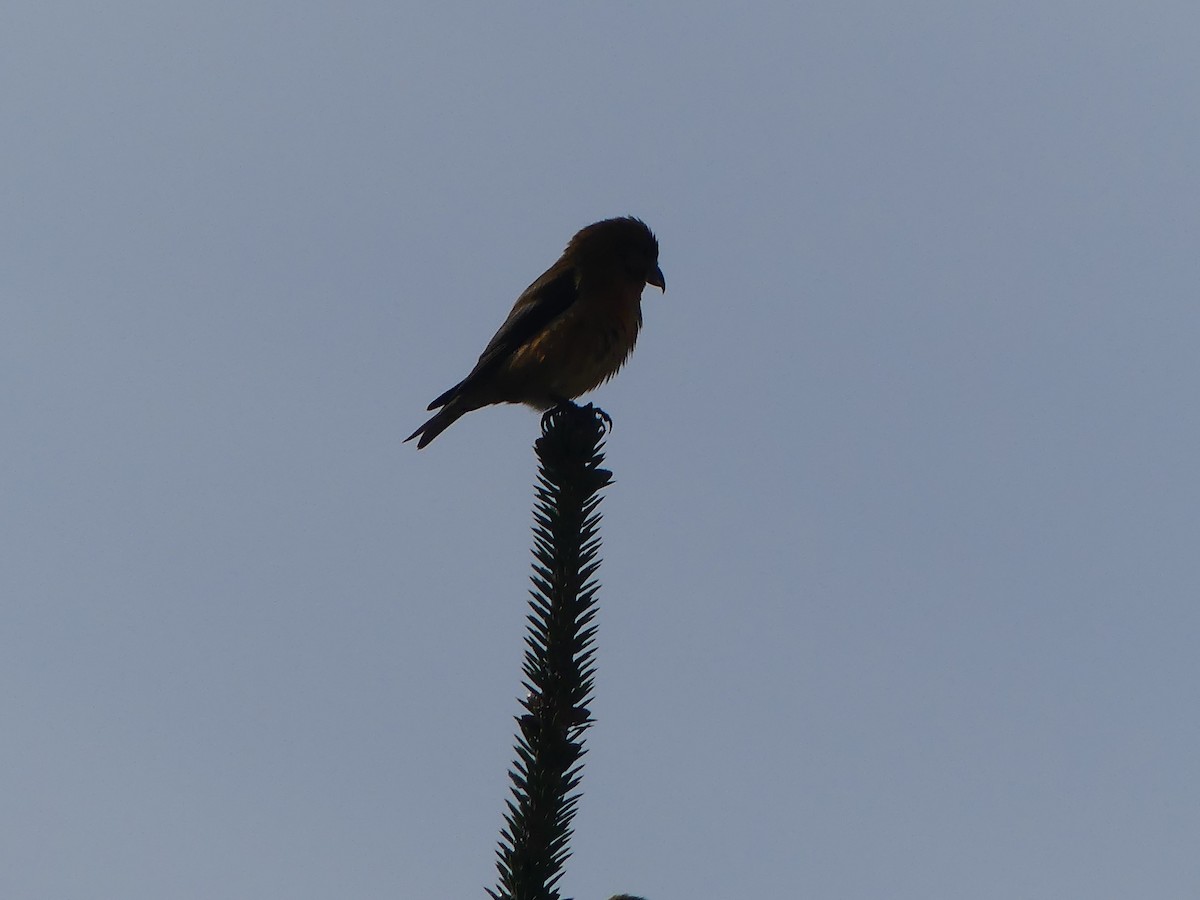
{"points": [[539, 305]]}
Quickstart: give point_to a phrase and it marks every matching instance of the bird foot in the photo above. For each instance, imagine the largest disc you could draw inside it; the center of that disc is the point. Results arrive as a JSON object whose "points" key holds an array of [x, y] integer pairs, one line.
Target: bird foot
{"points": [[567, 408]]}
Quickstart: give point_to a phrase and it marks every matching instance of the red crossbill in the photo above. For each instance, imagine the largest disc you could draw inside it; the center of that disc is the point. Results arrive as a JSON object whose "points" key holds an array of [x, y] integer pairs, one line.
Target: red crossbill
{"points": [[570, 331]]}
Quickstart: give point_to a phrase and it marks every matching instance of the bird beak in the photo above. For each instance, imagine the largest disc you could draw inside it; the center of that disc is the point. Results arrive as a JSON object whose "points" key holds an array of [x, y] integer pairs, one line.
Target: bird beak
{"points": [[656, 279]]}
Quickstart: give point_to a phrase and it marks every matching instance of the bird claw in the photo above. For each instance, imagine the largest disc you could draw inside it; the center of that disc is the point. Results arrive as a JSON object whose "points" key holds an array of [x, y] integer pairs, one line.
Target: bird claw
{"points": [[563, 407], [604, 418], [548, 417]]}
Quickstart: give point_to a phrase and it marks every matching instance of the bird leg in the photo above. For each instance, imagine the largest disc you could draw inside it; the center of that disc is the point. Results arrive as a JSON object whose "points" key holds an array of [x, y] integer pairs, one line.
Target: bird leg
{"points": [[564, 406]]}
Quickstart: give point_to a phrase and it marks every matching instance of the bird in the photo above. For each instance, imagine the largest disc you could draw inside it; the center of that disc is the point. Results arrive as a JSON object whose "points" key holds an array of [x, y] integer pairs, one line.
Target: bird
{"points": [[569, 331]]}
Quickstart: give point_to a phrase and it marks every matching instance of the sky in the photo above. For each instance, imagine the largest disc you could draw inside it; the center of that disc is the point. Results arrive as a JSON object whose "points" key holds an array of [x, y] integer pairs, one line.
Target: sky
{"points": [[900, 560]]}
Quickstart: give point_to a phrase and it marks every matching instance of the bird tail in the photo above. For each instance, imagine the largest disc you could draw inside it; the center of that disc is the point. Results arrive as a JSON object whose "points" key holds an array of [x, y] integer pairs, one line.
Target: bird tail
{"points": [[440, 421]]}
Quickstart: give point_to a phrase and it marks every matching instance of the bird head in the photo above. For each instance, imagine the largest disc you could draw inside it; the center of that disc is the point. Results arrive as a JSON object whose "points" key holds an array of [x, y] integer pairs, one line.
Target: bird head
{"points": [[625, 242]]}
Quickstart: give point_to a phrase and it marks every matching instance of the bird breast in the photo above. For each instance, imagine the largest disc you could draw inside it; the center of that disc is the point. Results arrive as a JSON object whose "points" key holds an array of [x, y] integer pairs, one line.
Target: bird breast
{"points": [[583, 349]]}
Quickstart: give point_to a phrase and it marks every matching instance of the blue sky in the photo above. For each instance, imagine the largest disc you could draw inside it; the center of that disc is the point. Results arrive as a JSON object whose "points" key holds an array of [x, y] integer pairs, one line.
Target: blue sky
{"points": [[900, 579]]}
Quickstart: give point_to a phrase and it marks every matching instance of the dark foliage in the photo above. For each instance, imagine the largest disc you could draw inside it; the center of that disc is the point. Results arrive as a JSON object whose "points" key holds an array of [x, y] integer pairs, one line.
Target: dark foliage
{"points": [[559, 657]]}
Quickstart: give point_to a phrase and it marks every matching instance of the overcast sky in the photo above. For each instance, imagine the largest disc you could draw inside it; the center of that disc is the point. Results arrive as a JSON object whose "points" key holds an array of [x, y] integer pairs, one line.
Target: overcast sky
{"points": [[901, 561]]}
